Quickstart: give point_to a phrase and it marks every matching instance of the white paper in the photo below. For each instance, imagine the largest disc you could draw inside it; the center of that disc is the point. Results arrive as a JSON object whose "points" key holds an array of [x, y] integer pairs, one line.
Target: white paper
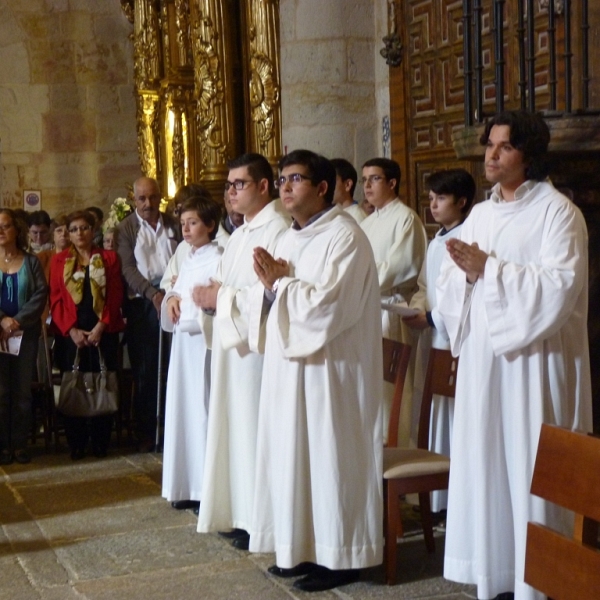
{"points": [[13, 344], [401, 309]]}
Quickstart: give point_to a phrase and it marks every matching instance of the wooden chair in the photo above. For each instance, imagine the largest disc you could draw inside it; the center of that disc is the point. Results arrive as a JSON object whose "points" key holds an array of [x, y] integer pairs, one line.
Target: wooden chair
{"points": [[396, 357], [566, 473], [417, 470]]}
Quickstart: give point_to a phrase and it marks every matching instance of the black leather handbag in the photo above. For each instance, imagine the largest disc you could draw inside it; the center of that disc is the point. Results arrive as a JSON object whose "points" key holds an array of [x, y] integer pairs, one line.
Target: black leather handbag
{"points": [[88, 394]]}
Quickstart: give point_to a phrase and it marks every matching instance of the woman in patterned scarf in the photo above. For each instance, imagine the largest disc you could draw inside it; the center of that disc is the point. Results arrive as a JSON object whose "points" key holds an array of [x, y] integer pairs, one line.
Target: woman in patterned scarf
{"points": [[86, 293]]}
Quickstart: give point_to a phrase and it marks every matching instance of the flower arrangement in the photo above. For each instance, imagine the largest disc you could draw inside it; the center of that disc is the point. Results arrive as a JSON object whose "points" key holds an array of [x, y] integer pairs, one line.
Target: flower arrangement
{"points": [[119, 209]]}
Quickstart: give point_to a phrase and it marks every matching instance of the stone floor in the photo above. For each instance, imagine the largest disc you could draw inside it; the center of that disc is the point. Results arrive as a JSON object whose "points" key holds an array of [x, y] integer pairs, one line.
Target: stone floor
{"points": [[98, 529]]}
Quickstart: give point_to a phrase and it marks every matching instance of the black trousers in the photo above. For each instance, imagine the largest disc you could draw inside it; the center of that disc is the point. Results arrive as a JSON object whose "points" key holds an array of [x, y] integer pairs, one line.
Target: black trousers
{"points": [[79, 430], [16, 374], [143, 329]]}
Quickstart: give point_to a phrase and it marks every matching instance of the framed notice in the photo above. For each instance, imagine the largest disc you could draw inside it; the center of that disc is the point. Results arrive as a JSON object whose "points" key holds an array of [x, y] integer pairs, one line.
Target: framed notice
{"points": [[32, 200]]}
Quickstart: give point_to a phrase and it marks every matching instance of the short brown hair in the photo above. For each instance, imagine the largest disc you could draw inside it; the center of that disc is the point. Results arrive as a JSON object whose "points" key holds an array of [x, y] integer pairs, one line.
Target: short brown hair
{"points": [[205, 207]]}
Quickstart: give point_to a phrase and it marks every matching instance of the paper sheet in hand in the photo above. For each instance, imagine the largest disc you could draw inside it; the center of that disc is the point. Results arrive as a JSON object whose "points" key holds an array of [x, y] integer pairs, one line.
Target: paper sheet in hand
{"points": [[400, 309], [13, 344]]}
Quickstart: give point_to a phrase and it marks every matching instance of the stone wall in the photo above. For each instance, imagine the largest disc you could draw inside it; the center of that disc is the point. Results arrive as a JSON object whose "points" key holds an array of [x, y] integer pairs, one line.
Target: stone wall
{"points": [[67, 110], [334, 82]]}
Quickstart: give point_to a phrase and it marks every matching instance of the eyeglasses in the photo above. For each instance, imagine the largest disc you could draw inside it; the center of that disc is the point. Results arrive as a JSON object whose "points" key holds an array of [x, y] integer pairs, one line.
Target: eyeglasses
{"points": [[82, 228], [294, 179], [237, 184], [371, 179], [5, 227]]}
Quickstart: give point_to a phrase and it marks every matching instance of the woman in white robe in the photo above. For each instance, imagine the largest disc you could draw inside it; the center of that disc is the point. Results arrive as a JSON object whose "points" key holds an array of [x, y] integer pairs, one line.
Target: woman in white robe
{"points": [[188, 383]]}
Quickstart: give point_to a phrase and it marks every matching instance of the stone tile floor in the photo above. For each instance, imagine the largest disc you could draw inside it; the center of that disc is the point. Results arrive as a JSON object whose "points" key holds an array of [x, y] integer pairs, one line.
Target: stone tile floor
{"points": [[99, 530]]}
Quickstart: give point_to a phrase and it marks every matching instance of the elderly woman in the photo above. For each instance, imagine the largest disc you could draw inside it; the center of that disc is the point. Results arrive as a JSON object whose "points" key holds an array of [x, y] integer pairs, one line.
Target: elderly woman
{"points": [[86, 292], [22, 300]]}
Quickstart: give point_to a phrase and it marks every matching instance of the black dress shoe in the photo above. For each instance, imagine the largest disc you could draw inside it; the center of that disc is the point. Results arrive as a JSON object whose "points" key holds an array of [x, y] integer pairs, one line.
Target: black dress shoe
{"points": [[234, 533], [22, 457], [145, 446], [184, 504], [506, 596], [326, 579], [242, 542], [77, 454], [304, 568], [6, 457]]}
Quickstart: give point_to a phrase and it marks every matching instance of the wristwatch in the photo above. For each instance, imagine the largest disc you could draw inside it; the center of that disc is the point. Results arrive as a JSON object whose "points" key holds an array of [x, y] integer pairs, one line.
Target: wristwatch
{"points": [[275, 285]]}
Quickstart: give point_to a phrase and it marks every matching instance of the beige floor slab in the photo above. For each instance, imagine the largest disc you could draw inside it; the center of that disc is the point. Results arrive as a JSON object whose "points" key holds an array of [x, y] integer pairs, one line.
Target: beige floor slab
{"points": [[99, 530]]}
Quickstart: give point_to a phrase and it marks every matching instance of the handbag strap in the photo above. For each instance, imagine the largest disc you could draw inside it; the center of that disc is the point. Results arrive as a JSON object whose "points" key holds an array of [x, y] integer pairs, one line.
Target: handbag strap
{"points": [[100, 356]]}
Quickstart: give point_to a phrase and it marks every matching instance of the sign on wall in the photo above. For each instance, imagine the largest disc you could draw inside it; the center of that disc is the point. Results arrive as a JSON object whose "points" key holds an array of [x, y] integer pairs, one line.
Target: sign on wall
{"points": [[32, 200]]}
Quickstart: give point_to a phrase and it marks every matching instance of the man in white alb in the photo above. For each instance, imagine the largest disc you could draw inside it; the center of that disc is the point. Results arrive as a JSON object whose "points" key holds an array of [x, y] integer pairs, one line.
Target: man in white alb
{"points": [[512, 293], [228, 484], [318, 492], [399, 244]]}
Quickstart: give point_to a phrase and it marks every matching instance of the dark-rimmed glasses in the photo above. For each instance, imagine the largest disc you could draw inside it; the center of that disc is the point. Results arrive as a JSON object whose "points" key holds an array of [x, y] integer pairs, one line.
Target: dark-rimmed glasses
{"points": [[371, 179], [294, 179], [237, 184]]}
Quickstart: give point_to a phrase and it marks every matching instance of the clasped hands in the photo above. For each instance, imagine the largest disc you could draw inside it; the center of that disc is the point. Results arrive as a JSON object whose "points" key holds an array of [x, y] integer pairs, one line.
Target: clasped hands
{"points": [[269, 269], [467, 257], [82, 338]]}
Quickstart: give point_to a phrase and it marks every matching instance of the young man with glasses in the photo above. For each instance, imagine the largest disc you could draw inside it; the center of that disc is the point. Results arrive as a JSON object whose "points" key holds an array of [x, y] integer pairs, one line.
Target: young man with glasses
{"points": [[228, 485], [318, 492], [399, 244]]}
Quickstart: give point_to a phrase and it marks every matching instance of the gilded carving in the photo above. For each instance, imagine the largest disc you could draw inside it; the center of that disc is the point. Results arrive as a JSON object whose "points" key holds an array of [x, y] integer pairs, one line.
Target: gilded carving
{"points": [[208, 84], [182, 11], [164, 28], [146, 126], [184, 53], [127, 6], [264, 77], [264, 94], [145, 45]]}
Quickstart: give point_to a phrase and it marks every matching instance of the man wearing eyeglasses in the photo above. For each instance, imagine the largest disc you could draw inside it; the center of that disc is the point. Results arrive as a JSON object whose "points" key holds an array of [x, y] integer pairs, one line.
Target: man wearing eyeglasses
{"points": [[228, 485], [147, 240], [399, 244], [318, 492]]}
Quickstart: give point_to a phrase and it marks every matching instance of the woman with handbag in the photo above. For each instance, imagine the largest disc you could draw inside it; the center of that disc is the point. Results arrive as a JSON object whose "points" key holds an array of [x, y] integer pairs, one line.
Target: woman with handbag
{"points": [[23, 294], [86, 293]]}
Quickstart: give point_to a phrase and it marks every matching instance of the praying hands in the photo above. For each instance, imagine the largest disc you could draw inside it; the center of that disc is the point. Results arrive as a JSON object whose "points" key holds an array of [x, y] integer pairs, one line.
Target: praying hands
{"points": [[467, 257], [268, 268]]}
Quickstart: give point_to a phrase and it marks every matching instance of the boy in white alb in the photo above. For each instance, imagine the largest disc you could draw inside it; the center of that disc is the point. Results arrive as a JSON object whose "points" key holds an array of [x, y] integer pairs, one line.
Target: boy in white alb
{"points": [[451, 195]]}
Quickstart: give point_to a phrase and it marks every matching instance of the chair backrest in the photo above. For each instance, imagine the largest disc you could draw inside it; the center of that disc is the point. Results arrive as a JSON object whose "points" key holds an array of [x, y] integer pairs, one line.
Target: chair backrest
{"points": [[566, 473], [440, 380], [396, 357]]}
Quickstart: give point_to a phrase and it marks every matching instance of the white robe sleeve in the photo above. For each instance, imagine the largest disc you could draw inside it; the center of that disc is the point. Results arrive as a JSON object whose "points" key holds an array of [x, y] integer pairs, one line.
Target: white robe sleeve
{"points": [[531, 302], [309, 315], [524, 303], [419, 300], [405, 256]]}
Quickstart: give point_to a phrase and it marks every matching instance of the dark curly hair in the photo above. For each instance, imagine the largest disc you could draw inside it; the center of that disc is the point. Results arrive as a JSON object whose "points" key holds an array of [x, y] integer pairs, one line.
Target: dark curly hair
{"points": [[529, 134]]}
